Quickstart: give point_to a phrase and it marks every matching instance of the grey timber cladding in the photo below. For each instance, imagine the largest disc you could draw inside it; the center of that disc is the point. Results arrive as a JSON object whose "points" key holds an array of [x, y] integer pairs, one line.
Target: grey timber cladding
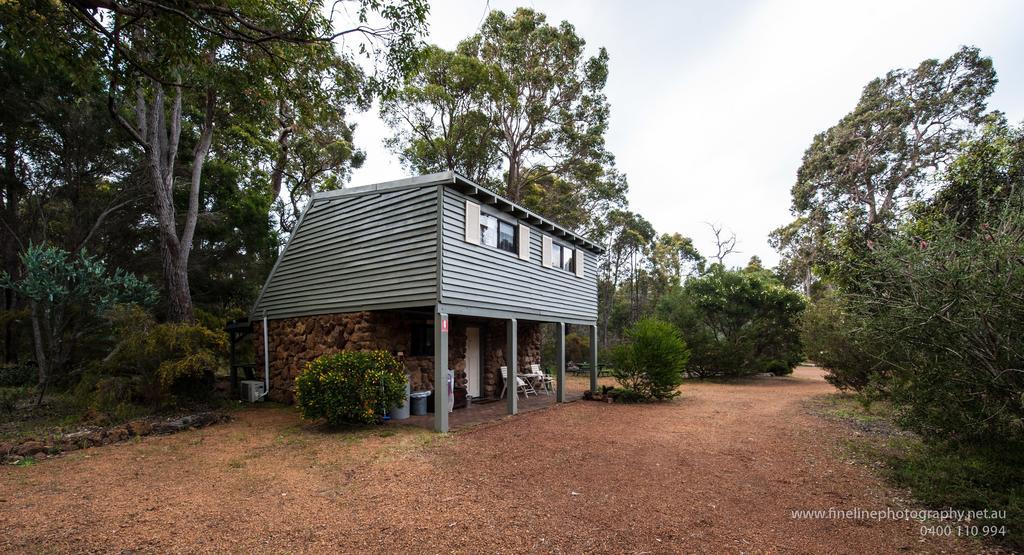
{"points": [[356, 252], [477, 276]]}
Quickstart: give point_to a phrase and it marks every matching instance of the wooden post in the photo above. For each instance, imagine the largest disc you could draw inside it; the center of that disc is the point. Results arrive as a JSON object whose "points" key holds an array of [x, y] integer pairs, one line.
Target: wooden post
{"points": [[511, 354], [440, 371], [560, 357]]}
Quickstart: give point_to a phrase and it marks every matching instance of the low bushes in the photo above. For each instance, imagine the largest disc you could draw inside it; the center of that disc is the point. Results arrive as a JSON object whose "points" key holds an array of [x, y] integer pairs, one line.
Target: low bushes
{"points": [[15, 375], [152, 365], [350, 387], [649, 366], [973, 478]]}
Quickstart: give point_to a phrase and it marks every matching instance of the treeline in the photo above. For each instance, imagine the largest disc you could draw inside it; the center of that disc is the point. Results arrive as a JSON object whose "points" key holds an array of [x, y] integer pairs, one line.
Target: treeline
{"points": [[520, 108], [909, 239], [154, 157], [157, 155]]}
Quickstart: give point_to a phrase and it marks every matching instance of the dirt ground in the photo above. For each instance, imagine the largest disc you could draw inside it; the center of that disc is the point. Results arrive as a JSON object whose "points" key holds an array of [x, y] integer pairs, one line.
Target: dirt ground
{"points": [[719, 469]]}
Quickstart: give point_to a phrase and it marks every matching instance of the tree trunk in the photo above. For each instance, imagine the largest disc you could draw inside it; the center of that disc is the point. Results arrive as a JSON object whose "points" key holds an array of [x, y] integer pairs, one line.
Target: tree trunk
{"points": [[42, 360], [512, 189], [175, 273], [158, 131]]}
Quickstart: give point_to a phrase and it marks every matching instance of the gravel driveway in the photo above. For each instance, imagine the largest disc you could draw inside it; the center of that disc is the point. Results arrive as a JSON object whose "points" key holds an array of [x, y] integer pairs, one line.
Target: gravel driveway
{"points": [[719, 469]]}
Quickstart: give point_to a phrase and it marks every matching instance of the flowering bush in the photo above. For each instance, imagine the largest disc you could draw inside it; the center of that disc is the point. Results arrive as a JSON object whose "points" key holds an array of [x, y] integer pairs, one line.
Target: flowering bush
{"points": [[350, 387]]}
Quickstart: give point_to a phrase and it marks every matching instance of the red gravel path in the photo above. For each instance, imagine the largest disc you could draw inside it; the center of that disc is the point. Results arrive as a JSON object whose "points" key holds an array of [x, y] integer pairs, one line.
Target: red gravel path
{"points": [[717, 470]]}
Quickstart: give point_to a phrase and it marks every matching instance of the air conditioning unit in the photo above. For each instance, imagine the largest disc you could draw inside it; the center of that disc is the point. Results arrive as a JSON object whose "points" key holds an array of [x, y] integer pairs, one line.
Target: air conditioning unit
{"points": [[252, 390]]}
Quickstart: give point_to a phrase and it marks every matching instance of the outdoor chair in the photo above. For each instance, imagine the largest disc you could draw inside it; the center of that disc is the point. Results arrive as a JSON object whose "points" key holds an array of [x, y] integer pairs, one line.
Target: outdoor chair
{"points": [[524, 387], [544, 380], [504, 384]]}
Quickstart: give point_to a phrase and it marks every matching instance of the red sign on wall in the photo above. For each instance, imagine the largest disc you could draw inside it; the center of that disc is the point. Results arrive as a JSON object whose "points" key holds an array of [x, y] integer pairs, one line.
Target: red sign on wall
{"points": [[444, 326]]}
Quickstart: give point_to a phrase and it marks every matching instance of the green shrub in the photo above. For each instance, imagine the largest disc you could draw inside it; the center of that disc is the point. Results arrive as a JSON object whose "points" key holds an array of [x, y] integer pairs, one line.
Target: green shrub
{"points": [[736, 322], [831, 335], [153, 364], [9, 397], [778, 368], [944, 313], [624, 395], [350, 386], [649, 366], [69, 294], [15, 375]]}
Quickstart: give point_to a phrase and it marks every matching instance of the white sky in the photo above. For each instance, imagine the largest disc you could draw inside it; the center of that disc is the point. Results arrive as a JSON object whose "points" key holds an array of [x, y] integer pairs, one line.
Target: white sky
{"points": [[714, 103]]}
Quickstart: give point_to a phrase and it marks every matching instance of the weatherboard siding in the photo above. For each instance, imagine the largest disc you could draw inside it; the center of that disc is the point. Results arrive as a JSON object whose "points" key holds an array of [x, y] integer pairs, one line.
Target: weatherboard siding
{"points": [[482, 277], [358, 252]]}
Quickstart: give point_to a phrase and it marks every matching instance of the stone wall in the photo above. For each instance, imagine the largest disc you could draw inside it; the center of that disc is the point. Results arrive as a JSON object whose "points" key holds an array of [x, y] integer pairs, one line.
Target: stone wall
{"points": [[296, 341], [494, 335]]}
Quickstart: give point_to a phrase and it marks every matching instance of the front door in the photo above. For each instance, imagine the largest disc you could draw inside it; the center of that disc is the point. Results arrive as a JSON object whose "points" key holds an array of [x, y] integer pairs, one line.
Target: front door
{"points": [[473, 361]]}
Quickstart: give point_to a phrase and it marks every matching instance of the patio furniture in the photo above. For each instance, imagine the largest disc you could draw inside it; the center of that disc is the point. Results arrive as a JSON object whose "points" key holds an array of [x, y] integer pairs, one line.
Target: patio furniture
{"points": [[524, 387], [501, 376], [543, 379]]}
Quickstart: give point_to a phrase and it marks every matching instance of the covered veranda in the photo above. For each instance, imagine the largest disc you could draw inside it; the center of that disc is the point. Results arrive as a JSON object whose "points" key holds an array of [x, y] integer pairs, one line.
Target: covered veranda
{"points": [[511, 404]]}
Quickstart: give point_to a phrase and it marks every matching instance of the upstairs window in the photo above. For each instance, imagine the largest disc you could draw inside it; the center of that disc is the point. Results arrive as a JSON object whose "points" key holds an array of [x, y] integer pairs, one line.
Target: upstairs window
{"points": [[561, 257], [568, 262], [497, 233]]}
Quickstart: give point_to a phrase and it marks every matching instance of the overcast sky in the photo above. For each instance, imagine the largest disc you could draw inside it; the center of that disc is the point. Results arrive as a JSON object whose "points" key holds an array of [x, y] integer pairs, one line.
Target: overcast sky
{"points": [[714, 103]]}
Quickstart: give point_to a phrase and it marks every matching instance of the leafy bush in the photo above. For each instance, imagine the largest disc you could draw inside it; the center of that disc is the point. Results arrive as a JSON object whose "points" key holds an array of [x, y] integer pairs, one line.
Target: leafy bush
{"points": [[16, 375], [778, 368], [945, 313], [832, 338], [624, 395], [736, 322], [9, 397], [154, 364], [350, 386], [649, 366], [68, 294]]}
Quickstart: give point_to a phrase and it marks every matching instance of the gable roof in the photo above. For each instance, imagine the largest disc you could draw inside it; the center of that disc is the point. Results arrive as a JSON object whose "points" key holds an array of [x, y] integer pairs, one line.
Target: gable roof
{"points": [[461, 183]]}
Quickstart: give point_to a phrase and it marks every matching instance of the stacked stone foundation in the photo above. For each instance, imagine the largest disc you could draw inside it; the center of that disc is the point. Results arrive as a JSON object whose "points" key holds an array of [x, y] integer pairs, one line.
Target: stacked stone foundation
{"points": [[294, 342]]}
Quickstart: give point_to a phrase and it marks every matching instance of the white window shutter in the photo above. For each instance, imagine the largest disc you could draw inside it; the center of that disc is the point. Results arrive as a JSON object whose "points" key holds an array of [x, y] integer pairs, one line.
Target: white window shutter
{"points": [[578, 261], [524, 242], [546, 254], [472, 223]]}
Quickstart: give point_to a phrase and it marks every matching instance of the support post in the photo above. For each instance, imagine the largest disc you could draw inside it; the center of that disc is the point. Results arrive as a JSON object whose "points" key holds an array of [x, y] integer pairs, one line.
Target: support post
{"points": [[232, 364], [440, 371], [593, 358], [560, 357], [511, 354]]}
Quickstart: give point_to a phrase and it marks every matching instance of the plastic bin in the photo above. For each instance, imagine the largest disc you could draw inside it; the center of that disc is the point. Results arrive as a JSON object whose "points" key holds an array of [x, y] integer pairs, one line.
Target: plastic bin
{"points": [[401, 412], [419, 402]]}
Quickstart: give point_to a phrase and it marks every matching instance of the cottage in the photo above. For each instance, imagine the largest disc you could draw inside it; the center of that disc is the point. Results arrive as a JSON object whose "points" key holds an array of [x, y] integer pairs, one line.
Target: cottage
{"points": [[432, 268]]}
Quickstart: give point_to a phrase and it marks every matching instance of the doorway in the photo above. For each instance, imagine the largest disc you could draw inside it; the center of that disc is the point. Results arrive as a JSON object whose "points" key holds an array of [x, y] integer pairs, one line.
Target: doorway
{"points": [[473, 362]]}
